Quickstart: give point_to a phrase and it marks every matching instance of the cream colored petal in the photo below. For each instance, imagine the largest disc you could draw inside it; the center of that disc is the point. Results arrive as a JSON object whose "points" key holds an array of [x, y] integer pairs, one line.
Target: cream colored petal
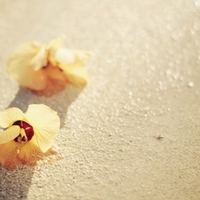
{"points": [[76, 75], [27, 77], [9, 134], [20, 69], [52, 47], [13, 154], [45, 123], [55, 43], [64, 56], [76, 72], [24, 54], [40, 59], [29, 153], [72, 57], [8, 155], [82, 56], [9, 116]]}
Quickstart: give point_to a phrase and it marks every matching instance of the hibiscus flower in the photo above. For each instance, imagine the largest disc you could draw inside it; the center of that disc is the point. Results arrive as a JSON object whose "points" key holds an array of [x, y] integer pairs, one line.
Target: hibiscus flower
{"points": [[28, 136], [47, 69]]}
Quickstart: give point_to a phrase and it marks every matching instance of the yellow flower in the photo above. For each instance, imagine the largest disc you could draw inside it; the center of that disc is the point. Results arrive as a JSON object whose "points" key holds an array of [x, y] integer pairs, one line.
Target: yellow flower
{"points": [[28, 136], [49, 68]]}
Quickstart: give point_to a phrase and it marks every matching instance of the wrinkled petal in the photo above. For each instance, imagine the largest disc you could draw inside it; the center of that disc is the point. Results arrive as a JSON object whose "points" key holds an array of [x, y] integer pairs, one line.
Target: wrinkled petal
{"points": [[27, 77], [72, 58], [29, 66], [13, 154], [9, 116], [29, 154], [53, 46], [56, 82], [64, 56], [46, 125], [40, 60], [8, 155], [55, 43], [77, 76], [21, 69], [9, 134], [75, 72], [55, 73]]}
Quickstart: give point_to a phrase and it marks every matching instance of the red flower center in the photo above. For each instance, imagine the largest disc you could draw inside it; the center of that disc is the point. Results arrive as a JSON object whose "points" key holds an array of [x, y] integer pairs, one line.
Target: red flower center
{"points": [[28, 130]]}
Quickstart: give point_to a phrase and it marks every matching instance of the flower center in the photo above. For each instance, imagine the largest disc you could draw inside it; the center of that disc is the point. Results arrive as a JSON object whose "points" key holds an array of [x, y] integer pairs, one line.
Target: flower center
{"points": [[27, 134]]}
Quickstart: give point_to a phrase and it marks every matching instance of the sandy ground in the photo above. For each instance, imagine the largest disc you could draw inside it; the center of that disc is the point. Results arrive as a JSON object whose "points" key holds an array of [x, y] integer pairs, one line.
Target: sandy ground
{"points": [[144, 83]]}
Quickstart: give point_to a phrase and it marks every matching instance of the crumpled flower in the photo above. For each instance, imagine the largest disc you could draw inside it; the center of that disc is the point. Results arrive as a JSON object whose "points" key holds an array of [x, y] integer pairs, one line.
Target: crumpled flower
{"points": [[47, 69], [28, 136]]}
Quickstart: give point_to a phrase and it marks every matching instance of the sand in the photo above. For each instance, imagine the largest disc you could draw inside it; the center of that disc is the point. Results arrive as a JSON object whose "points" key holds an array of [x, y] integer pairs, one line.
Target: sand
{"points": [[133, 133]]}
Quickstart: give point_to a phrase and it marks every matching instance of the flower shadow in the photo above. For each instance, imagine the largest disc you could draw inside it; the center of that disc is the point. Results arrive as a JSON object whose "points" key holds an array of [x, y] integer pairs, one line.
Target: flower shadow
{"points": [[15, 184], [59, 102]]}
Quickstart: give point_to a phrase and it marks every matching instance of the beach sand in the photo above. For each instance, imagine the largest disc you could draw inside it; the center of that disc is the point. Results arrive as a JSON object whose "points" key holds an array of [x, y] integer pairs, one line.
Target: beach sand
{"points": [[133, 133]]}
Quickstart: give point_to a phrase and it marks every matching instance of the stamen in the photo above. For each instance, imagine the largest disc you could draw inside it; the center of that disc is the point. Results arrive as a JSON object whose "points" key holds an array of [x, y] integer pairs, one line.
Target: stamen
{"points": [[21, 139], [26, 133], [18, 150]]}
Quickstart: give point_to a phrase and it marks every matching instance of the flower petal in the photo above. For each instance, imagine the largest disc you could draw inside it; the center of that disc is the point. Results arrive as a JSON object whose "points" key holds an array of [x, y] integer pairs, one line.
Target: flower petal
{"points": [[13, 154], [56, 82], [45, 123], [64, 56], [77, 76], [9, 116], [21, 69], [9, 134], [40, 60], [75, 72], [53, 46], [29, 153], [8, 155]]}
